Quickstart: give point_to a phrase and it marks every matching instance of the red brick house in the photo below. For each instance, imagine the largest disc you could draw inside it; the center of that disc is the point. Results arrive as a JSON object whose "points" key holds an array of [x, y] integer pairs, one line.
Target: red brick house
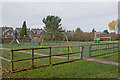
{"points": [[8, 33], [37, 32]]}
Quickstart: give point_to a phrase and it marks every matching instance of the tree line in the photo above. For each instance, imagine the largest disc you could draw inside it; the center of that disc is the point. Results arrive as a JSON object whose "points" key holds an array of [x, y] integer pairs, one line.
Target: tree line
{"points": [[54, 31]]}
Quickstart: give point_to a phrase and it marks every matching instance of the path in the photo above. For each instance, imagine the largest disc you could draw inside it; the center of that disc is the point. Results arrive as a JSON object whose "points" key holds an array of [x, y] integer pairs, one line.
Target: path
{"points": [[102, 61], [73, 57]]}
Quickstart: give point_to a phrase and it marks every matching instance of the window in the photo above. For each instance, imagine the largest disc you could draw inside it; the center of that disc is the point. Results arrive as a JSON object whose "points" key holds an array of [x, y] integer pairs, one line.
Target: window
{"points": [[8, 33], [11, 34]]}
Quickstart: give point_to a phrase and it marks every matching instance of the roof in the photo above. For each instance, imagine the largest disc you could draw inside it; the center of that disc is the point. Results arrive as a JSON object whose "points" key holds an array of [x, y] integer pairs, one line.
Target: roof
{"points": [[18, 29], [37, 30], [7, 30]]}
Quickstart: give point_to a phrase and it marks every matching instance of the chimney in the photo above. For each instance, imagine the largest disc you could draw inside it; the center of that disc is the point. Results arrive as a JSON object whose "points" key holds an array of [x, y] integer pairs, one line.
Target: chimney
{"points": [[5, 27]]}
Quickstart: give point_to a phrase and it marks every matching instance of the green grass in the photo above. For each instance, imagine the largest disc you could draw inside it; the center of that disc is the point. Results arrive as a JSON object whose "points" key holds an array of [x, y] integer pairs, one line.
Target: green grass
{"points": [[77, 69], [27, 63], [64, 50], [110, 57], [23, 45]]}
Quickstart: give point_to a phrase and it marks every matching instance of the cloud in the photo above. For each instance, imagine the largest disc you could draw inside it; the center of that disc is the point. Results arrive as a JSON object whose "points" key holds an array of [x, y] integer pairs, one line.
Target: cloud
{"points": [[86, 15]]}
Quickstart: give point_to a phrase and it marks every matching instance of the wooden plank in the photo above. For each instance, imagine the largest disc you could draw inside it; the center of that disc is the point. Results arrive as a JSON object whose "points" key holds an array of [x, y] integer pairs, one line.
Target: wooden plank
{"points": [[68, 55], [50, 56], [103, 49], [82, 52], [11, 57], [102, 44], [32, 58], [29, 58], [29, 49], [105, 54], [5, 59], [44, 56], [5, 49]]}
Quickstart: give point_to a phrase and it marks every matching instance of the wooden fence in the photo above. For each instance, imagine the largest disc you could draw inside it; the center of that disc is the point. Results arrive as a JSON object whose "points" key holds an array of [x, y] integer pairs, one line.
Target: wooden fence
{"points": [[106, 47], [33, 57], [103, 49]]}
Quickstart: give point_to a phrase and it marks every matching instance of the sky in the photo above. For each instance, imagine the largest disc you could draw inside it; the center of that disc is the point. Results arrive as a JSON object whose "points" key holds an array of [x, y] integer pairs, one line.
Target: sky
{"points": [[85, 15]]}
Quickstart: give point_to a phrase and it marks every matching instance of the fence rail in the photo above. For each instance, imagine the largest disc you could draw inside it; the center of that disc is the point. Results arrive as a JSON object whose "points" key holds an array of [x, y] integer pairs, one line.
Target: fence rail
{"points": [[106, 47], [33, 57]]}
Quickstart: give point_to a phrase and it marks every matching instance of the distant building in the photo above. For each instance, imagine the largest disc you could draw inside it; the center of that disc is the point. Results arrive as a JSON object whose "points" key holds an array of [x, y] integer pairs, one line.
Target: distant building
{"points": [[18, 29], [37, 32], [8, 33], [70, 33]]}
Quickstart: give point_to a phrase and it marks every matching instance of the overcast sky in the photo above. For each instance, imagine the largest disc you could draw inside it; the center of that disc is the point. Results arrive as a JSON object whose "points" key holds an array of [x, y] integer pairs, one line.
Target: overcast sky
{"points": [[85, 15]]}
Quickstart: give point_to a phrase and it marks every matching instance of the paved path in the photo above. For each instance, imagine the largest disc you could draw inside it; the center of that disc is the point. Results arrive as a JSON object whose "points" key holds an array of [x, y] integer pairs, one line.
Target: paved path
{"points": [[72, 57], [102, 61], [43, 54]]}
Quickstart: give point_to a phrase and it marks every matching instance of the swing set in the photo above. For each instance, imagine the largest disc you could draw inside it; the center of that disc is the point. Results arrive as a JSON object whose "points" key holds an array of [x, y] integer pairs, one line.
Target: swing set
{"points": [[42, 38], [27, 39], [65, 37]]}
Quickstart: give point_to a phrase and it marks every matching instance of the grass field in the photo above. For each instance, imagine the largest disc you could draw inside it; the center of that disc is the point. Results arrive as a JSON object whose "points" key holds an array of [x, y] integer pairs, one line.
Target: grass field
{"points": [[77, 69], [23, 45]]}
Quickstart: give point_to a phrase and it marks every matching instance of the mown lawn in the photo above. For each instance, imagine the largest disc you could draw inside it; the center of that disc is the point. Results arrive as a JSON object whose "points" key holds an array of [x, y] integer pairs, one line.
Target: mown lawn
{"points": [[77, 69], [24, 45], [27, 63], [65, 50]]}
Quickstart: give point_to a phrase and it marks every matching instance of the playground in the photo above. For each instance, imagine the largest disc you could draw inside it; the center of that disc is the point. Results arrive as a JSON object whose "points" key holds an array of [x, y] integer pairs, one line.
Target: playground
{"points": [[29, 54]]}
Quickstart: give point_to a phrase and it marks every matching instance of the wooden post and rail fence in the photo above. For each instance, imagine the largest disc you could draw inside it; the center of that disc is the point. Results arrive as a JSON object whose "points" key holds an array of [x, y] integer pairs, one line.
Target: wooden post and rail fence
{"points": [[50, 53]]}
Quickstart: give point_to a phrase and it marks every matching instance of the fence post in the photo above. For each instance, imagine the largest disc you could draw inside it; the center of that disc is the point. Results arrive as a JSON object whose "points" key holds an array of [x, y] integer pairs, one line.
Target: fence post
{"points": [[68, 54], [107, 46], [113, 47], [11, 57], [33, 59], [50, 56], [81, 52], [89, 50]]}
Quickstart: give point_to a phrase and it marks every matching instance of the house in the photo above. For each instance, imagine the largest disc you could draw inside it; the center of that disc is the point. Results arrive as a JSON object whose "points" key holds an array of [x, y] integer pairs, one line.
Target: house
{"points": [[37, 32], [28, 31], [70, 33], [18, 29], [8, 33]]}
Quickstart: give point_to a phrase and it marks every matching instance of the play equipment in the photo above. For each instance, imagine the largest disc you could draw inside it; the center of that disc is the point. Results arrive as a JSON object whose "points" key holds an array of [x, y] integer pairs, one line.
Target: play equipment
{"points": [[15, 38], [42, 41], [65, 37], [26, 39]]}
